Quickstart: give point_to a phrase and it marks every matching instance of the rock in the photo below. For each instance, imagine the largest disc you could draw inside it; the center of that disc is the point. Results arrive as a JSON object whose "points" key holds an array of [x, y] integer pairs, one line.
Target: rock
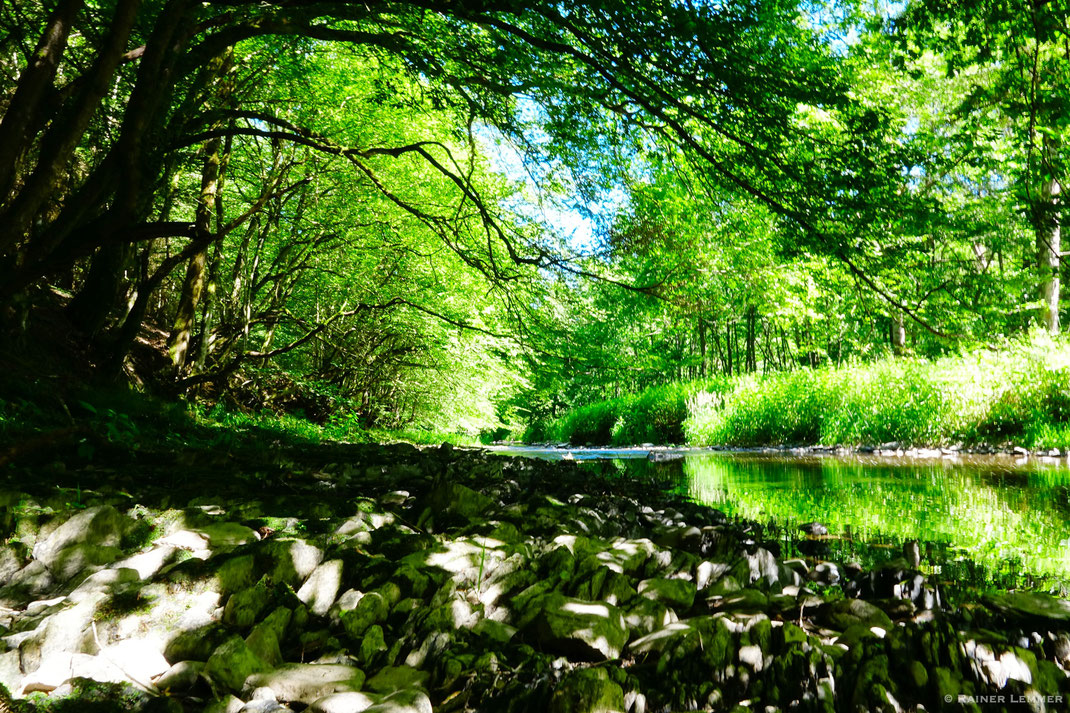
{"points": [[107, 580], [589, 631], [826, 573], [587, 690], [288, 561], [460, 500], [58, 668], [146, 564], [371, 609], [405, 701], [181, 677], [139, 660], [244, 607], [230, 704], [372, 644], [232, 663], [351, 702], [394, 678], [648, 615], [264, 643], [264, 707], [226, 534], [69, 561], [12, 559], [100, 526], [707, 640], [496, 631], [195, 644], [843, 614], [29, 583], [676, 593], [236, 574], [752, 656], [1030, 606], [306, 683], [321, 587]]}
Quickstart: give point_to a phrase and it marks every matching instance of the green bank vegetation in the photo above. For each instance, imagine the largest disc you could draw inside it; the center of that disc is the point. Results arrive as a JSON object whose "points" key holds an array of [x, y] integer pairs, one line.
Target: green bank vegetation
{"points": [[1019, 394]]}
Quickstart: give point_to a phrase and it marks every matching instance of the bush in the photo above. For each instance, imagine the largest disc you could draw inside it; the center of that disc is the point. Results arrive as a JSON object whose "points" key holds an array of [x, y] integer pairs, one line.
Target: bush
{"points": [[1019, 395]]}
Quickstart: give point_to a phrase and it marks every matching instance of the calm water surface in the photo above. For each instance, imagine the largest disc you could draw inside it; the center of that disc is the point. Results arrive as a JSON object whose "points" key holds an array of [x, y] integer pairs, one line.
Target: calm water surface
{"points": [[989, 521]]}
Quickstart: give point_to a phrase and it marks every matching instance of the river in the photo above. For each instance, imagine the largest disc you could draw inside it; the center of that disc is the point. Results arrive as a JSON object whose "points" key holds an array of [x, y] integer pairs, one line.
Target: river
{"points": [[984, 521]]}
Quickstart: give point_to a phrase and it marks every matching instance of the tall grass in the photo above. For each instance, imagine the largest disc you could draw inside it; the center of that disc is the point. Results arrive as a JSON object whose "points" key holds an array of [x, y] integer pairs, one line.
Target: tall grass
{"points": [[1019, 394]]}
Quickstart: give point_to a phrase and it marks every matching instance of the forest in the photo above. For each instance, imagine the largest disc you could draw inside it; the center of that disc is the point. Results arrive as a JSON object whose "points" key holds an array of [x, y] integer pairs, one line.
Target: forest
{"points": [[255, 256]]}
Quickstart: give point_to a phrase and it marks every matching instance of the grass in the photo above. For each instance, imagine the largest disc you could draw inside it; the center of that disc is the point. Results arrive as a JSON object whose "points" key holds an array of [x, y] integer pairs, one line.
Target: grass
{"points": [[1017, 395]]}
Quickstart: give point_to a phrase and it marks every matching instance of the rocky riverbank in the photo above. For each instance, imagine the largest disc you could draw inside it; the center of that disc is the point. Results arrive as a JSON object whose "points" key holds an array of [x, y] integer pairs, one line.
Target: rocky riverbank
{"points": [[398, 579]]}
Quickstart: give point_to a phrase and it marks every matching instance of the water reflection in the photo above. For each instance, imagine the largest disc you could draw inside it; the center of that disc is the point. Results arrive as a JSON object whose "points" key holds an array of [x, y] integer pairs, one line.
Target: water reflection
{"points": [[982, 521]]}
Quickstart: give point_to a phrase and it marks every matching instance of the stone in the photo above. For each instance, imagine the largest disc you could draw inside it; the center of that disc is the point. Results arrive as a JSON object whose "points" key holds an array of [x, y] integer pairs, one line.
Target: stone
{"points": [[227, 534], [321, 588], [12, 559], [394, 678], [705, 639], [232, 663], [181, 677], [841, 615], [229, 704], [1030, 606], [648, 615], [403, 701], [29, 583], [139, 660], [100, 526], [288, 561], [371, 609], [589, 631], [148, 563], [587, 690], [195, 644], [306, 683], [236, 574], [106, 580], [69, 561], [460, 500], [676, 593], [352, 702], [372, 644], [496, 631], [264, 707], [264, 643], [244, 607]]}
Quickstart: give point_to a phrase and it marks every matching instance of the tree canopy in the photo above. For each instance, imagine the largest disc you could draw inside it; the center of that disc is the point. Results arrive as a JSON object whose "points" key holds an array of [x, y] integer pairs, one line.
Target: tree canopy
{"points": [[306, 193]]}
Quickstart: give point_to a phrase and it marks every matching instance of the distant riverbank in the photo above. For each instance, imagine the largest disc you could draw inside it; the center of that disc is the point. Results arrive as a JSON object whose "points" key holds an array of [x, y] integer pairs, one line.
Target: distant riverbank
{"points": [[982, 401]]}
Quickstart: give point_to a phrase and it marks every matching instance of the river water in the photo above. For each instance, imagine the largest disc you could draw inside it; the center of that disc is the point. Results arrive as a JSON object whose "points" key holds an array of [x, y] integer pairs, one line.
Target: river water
{"points": [[986, 521]]}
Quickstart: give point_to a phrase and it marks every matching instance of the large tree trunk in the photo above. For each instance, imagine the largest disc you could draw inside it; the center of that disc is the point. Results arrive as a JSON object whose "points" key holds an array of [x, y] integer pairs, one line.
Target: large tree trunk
{"points": [[1049, 247], [22, 118]]}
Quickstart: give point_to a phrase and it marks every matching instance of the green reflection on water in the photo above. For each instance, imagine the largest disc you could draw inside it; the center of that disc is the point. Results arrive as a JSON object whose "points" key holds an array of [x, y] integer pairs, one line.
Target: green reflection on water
{"points": [[990, 522]]}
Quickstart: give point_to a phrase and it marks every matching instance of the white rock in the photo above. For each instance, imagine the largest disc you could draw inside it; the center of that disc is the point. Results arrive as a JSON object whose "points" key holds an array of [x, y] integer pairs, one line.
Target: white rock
{"points": [[185, 540], [148, 563], [321, 587], [352, 702]]}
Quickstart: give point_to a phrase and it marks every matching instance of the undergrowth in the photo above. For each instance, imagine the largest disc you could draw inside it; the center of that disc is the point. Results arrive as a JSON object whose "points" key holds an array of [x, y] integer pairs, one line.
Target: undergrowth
{"points": [[1019, 394]]}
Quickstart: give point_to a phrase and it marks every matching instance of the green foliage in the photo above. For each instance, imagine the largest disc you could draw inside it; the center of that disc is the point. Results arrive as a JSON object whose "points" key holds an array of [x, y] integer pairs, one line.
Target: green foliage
{"points": [[1019, 395]]}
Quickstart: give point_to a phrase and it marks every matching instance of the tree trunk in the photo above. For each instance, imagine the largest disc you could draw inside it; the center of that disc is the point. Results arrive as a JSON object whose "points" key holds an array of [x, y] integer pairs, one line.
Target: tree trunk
{"points": [[1049, 246], [23, 113], [898, 334], [207, 205]]}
